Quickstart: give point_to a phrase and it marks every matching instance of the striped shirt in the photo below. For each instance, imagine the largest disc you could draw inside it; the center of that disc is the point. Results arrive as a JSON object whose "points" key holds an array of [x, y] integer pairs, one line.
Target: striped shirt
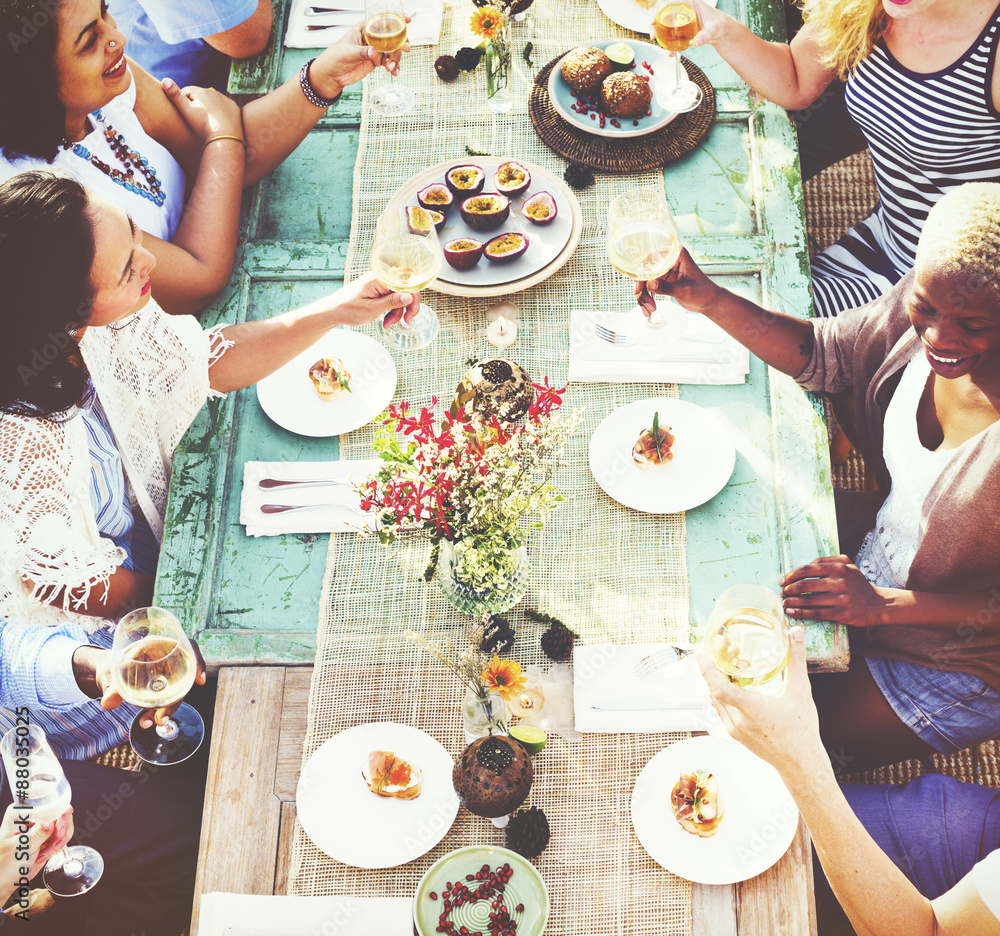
{"points": [[927, 133], [36, 662]]}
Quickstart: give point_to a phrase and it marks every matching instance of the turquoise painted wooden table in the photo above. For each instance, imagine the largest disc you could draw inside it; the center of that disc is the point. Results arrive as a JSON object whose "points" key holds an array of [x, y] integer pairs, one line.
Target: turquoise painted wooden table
{"points": [[737, 198]]}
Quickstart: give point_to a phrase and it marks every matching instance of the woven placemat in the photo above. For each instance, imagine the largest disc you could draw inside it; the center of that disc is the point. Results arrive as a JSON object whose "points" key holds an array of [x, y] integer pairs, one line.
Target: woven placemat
{"points": [[838, 198], [630, 154], [980, 764], [123, 757]]}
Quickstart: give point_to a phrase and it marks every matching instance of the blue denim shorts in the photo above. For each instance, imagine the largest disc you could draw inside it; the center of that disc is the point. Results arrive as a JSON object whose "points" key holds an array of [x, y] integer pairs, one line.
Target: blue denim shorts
{"points": [[950, 711]]}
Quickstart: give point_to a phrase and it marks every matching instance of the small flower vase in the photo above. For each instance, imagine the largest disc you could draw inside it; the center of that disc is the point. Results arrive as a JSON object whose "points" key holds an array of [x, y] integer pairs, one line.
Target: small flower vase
{"points": [[499, 97], [480, 581], [483, 715]]}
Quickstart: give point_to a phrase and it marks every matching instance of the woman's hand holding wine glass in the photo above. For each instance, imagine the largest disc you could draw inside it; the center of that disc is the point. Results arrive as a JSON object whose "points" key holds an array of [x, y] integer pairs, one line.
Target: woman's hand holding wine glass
{"points": [[385, 31]]}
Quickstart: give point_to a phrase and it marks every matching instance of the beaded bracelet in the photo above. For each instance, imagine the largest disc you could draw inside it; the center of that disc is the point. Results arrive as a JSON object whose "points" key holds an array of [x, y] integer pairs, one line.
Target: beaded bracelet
{"points": [[310, 92], [225, 136]]}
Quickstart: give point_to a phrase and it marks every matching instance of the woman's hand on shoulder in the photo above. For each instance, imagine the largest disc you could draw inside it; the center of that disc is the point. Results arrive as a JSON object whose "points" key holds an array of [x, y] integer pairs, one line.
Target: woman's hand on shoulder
{"points": [[365, 299], [348, 60], [206, 111], [833, 588]]}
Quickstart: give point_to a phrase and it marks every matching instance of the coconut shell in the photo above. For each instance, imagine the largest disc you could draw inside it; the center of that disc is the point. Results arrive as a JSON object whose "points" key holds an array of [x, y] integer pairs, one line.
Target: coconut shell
{"points": [[492, 776]]}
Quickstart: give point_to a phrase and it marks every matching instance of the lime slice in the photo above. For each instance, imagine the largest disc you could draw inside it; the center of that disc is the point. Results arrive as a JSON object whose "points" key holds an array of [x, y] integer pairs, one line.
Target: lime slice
{"points": [[621, 54], [533, 739]]}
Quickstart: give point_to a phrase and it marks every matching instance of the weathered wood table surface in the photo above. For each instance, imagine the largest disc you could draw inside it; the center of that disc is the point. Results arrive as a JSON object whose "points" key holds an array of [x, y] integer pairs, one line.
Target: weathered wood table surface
{"points": [[737, 199]]}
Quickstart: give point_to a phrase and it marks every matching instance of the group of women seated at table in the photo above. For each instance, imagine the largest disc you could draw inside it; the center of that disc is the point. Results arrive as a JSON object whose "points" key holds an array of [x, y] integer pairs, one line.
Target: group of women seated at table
{"points": [[120, 187]]}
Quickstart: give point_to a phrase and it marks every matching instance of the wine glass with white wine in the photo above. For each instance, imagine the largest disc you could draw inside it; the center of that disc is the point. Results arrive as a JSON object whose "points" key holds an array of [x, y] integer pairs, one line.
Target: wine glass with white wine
{"points": [[644, 244], [675, 26], [39, 787], [385, 31], [406, 257], [153, 665]]}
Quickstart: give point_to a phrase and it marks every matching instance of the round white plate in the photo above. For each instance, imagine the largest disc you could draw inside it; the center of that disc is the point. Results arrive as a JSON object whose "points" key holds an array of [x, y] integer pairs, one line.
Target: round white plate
{"points": [[759, 815], [629, 14], [348, 822], [290, 399], [545, 241], [563, 98], [704, 456]]}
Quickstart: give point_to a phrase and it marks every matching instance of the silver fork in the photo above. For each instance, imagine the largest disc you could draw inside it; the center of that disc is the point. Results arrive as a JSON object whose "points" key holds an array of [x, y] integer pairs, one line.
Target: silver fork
{"points": [[612, 337], [285, 508], [664, 656]]}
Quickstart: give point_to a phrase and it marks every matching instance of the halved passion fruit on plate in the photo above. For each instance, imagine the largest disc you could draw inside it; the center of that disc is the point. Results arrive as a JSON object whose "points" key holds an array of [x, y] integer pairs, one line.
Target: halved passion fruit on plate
{"points": [[438, 218], [437, 197], [463, 253], [506, 248], [465, 180], [540, 208], [511, 178], [485, 212], [419, 220]]}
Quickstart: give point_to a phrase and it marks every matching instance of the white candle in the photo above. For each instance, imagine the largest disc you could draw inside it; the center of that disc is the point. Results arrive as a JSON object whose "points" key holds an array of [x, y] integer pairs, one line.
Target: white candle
{"points": [[501, 333]]}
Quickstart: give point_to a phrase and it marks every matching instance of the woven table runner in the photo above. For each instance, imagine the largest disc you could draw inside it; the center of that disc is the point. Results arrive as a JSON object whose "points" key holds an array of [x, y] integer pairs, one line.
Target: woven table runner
{"points": [[610, 574]]}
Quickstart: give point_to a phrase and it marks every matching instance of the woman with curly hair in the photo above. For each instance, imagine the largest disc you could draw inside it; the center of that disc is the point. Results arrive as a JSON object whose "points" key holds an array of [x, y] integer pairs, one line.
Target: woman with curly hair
{"points": [[176, 159], [922, 85]]}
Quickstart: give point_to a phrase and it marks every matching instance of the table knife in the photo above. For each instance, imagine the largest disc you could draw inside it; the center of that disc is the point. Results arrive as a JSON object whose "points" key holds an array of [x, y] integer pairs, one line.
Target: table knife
{"points": [[341, 20], [266, 484], [624, 705], [269, 509], [321, 11]]}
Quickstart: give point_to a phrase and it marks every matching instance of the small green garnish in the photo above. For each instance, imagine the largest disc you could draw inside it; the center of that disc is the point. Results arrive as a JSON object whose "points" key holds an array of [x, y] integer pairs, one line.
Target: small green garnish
{"points": [[343, 381], [656, 433], [526, 54], [475, 152]]}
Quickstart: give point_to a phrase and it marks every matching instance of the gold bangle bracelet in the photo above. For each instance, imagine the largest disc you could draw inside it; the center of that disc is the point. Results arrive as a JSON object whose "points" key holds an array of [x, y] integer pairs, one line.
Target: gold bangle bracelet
{"points": [[226, 136]]}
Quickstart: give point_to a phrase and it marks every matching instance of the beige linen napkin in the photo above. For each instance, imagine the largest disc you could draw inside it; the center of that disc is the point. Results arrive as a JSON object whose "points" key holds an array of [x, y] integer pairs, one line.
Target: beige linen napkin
{"points": [[701, 354], [244, 915], [605, 686], [424, 27], [343, 516]]}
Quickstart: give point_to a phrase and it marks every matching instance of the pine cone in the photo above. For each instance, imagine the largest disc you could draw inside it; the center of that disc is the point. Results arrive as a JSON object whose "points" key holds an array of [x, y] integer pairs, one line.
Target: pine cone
{"points": [[498, 635], [468, 58], [579, 175], [447, 68], [528, 832], [557, 642]]}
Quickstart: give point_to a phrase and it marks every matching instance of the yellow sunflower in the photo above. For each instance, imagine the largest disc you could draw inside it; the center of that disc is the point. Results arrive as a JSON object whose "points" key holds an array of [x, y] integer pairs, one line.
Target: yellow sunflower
{"points": [[486, 22], [504, 676]]}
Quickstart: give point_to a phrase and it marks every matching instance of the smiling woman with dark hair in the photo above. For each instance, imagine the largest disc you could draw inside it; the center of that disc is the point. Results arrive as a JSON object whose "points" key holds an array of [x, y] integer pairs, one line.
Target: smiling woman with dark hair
{"points": [[920, 593], [176, 159]]}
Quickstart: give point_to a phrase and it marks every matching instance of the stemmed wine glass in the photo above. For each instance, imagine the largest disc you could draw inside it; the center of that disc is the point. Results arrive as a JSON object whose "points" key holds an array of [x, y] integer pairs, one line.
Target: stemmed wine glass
{"points": [[675, 27], [644, 244], [153, 665], [406, 257], [41, 789], [385, 31]]}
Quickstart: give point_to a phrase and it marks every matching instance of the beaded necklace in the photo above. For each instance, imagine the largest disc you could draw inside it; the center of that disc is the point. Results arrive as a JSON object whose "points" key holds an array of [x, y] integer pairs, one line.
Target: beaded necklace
{"points": [[129, 158]]}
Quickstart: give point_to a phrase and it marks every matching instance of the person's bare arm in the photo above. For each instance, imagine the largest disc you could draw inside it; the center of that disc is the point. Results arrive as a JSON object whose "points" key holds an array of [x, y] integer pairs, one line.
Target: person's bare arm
{"points": [[126, 590], [789, 74], [249, 38], [878, 898]]}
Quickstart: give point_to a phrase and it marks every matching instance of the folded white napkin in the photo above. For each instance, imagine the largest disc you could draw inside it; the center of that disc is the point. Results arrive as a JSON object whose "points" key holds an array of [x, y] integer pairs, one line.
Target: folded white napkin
{"points": [[424, 27], [345, 516], [605, 685], [701, 353], [244, 915]]}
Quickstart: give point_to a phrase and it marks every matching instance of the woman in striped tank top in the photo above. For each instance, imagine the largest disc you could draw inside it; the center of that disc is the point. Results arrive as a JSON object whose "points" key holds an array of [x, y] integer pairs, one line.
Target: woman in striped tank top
{"points": [[922, 85]]}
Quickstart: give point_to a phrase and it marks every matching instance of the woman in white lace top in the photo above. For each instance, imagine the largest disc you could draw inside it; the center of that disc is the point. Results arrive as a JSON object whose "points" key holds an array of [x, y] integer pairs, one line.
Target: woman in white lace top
{"points": [[75, 282]]}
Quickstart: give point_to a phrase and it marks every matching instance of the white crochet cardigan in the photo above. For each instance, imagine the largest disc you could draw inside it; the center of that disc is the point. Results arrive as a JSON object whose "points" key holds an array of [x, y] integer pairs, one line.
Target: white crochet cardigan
{"points": [[151, 376]]}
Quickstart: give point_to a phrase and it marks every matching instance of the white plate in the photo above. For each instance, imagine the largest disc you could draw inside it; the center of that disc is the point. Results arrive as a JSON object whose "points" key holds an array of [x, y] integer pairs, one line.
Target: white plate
{"points": [[759, 815], [290, 399], [547, 243], [348, 822], [704, 456], [629, 14], [563, 98]]}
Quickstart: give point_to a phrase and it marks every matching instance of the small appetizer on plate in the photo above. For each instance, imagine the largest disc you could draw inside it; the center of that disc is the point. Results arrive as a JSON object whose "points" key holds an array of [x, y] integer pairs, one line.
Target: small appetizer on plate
{"points": [[330, 377], [651, 451], [391, 776], [696, 804]]}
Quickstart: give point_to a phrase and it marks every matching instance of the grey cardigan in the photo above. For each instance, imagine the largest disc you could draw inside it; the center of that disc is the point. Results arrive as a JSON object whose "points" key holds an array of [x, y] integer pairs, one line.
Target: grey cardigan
{"points": [[866, 349]]}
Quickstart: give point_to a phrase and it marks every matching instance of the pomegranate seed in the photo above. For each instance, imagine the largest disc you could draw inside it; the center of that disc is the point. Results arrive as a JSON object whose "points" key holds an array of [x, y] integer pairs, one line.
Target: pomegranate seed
{"points": [[635, 123], [649, 113], [593, 116], [434, 895]]}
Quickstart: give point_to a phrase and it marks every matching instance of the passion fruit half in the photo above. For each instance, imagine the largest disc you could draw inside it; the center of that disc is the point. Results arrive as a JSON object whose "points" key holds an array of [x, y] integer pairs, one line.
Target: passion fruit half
{"points": [[540, 208], [506, 248], [418, 220], [511, 178], [485, 212], [463, 253], [437, 197], [465, 180]]}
